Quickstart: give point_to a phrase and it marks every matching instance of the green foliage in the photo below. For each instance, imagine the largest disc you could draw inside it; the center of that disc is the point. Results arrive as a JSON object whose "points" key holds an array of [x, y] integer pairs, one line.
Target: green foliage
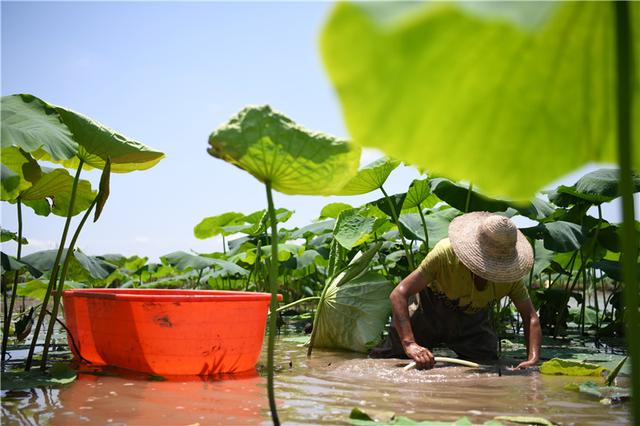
{"points": [[597, 187], [274, 149], [34, 125], [567, 367], [82, 267], [370, 177], [214, 225], [419, 194], [36, 289], [498, 126], [7, 235], [353, 229], [332, 210], [185, 261]]}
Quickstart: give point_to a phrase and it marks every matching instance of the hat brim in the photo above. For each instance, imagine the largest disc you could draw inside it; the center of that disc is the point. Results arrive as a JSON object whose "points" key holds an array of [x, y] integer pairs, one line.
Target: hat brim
{"points": [[465, 241]]}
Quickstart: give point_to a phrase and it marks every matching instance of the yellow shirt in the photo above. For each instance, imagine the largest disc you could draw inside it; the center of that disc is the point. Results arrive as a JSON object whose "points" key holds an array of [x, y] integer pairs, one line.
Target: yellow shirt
{"points": [[448, 278]]}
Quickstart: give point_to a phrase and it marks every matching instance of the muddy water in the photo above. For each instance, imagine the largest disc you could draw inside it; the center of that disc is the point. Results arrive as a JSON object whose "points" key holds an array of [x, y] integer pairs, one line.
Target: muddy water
{"points": [[319, 390]]}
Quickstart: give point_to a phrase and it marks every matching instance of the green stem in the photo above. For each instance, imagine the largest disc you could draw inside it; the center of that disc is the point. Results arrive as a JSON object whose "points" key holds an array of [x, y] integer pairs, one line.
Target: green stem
{"points": [[63, 276], [394, 215], [466, 204], [273, 285], [297, 302], [56, 268], [625, 74], [9, 313], [426, 231]]}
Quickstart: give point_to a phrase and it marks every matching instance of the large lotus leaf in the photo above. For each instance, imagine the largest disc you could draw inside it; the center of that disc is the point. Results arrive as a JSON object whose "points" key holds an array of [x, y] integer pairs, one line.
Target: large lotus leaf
{"points": [[568, 367], [456, 196], [558, 236], [274, 149], [19, 171], [56, 185], [257, 222], [370, 177], [97, 143], [395, 201], [609, 393], [82, 268], [212, 225], [353, 315], [12, 184], [600, 186], [185, 261], [353, 229], [419, 194], [507, 95], [308, 258], [34, 125], [333, 210], [314, 229]]}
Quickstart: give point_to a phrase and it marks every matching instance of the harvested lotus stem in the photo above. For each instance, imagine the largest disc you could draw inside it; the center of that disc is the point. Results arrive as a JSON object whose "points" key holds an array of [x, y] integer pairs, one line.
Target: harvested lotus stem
{"points": [[462, 362]]}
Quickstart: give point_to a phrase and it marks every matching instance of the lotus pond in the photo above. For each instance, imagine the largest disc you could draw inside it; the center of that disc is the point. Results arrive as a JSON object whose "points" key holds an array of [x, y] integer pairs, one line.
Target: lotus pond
{"points": [[324, 389]]}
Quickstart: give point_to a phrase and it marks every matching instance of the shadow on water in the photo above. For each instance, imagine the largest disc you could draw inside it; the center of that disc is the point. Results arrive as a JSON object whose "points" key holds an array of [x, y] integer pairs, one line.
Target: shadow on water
{"points": [[318, 390]]}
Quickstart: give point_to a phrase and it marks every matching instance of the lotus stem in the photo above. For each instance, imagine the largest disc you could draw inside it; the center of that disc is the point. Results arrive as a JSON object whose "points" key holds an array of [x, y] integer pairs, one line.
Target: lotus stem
{"points": [[457, 361], [625, 74], [273, 285], [14, 289], [63, 276], [468, 201], [396, 219], [426, 231], [56, 268], [297, 302]]}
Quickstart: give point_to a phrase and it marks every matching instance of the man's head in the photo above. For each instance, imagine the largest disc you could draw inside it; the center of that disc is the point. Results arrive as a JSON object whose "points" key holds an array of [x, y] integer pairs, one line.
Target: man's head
{"points": [[491, 246]]}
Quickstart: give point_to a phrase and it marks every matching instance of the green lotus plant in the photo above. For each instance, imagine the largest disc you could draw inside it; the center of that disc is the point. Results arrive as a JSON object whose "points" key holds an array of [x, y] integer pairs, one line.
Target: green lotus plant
{"points": [[404, 85], [289, 159], [57, 134]]}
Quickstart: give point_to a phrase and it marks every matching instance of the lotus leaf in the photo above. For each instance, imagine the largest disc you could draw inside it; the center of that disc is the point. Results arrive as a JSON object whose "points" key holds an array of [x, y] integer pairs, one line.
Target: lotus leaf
{"points": [[185, 261], [10, 236], [352, 229], [558, 236], [314, 229], [213, 225], [437, 225], [600, 186], [82, 268], [568, 367], [58, 375], [34, 125], [274, 149], [332, 210], [419, 194], [10, 263], [354, 314], [370, 177], [539, 103], [57, 185], [36, 289]]}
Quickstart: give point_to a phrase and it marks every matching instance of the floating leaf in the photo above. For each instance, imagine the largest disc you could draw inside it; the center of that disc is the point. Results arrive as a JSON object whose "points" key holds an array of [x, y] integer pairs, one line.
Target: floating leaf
{"points": [[527, 420], [59, 375], [567, 367], [274, 149]]}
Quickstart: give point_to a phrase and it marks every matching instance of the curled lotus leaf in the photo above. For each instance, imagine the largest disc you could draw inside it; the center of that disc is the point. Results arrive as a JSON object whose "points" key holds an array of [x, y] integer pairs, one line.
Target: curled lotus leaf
{"points": [[274, 149]]}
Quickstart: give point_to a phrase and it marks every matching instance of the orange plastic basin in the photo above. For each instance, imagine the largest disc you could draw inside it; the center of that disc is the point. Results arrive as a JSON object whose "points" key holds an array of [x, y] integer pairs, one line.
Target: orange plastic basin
{"points": [[167, 332]]}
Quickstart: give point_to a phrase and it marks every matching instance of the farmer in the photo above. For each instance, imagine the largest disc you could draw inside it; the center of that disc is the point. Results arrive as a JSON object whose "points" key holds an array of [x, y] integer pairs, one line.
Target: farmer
{"points": [[483, 260]]}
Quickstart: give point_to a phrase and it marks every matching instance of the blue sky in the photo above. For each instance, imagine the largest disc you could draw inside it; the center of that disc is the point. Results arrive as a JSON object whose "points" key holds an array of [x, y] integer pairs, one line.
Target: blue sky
{"points": [[167, 74]]}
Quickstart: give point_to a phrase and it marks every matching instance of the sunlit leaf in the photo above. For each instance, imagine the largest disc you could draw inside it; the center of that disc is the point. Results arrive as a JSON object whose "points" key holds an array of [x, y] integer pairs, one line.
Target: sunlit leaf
{"points": [[274, 149], [507, 95], [419, 193], [333, 210], [56, 185], [185, 261], [82, 267], [103, 190], [567, 367], [213, 225], [32, 124], [597, 187], [370, 177], [353, 229], [36, 289]]}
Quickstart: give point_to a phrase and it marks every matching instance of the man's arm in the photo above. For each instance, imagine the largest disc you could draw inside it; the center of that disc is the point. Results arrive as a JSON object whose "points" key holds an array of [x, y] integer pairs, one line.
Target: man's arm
{"points": [[532, 332], [399, 297]]}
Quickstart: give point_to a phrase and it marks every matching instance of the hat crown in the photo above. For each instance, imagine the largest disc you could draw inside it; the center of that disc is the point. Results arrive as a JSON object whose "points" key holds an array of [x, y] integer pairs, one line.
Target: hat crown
{"points": [[498, 235]]}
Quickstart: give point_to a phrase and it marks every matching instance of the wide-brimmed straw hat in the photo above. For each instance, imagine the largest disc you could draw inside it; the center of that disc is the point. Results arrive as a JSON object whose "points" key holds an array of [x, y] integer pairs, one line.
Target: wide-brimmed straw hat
{"points": [[491, 246]]}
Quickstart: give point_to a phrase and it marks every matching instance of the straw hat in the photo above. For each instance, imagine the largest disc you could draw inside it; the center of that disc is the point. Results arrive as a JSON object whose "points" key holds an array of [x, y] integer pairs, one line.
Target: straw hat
{"points": [[491, 246]]}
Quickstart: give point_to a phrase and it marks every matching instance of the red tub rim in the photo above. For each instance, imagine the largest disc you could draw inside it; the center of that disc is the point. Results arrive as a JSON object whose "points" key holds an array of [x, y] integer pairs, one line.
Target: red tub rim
{"points": [[169, 295]]}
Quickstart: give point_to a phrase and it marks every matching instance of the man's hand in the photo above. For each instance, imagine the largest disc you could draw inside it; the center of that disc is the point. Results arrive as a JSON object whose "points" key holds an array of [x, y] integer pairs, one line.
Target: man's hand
{"points": [[421, 355], [527, 364]]}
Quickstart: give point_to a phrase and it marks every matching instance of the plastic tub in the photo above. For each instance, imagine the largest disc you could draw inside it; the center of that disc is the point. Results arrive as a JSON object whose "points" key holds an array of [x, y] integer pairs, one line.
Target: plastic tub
{"points": [[167, 332]]}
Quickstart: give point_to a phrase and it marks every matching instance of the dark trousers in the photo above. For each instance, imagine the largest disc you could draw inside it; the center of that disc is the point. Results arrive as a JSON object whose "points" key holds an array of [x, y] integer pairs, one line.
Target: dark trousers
{"points": [[437, 323]]}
